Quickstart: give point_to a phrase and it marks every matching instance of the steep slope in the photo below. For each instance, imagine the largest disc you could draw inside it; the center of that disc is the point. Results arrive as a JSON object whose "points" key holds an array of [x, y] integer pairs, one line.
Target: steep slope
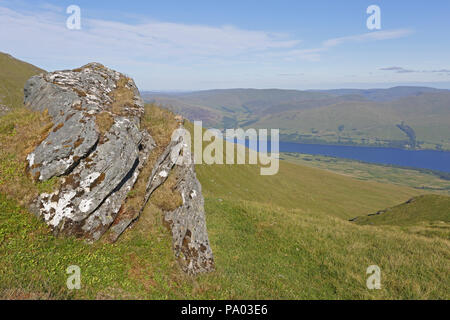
{"points": [[13, 75], [297, 186]]}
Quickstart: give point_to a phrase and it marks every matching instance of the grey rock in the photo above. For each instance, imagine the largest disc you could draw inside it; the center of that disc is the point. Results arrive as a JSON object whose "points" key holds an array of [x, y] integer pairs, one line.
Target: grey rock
{"points": [[97, 147], [103, 217], [188, 222], [99, 168]]}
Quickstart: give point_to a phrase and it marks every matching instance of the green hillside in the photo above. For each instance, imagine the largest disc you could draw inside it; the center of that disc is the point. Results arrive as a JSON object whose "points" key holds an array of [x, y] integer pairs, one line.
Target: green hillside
{"points": [[427, 215], [427, 208], [13, 75], [284, 236]]}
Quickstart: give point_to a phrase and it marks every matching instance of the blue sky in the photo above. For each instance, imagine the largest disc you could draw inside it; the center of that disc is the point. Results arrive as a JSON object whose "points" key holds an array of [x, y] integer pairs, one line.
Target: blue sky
{"points": [[194, 45]]}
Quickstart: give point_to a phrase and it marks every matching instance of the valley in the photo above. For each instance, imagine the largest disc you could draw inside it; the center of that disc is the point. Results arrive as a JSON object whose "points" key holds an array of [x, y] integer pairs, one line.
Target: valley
{"points": [[346, 117]]}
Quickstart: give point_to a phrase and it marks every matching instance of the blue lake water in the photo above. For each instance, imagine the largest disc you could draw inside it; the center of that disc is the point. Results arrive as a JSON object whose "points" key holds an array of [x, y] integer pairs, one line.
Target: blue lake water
{"points": [[422, 159]]}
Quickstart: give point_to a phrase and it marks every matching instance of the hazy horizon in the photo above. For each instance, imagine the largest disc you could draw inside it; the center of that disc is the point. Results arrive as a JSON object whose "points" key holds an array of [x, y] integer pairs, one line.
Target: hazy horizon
{"points": [[202, 45], [442, 86]]}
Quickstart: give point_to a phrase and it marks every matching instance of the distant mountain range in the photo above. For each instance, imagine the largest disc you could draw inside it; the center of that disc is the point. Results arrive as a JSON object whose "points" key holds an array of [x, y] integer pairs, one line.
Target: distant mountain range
{"points": [[403, 117]]}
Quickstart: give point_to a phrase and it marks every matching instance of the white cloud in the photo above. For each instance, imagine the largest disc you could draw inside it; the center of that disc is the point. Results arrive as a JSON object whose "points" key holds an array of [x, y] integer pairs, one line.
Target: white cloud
{"points": [[404, 70], [370, 36], [51, 7], [172, 51], [152, 40]]}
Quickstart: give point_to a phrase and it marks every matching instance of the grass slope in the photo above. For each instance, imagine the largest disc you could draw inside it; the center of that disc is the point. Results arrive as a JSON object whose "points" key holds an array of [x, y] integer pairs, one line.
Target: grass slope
{"points": [[430, 208], [427, 215], [297, 186], [14, 73]]}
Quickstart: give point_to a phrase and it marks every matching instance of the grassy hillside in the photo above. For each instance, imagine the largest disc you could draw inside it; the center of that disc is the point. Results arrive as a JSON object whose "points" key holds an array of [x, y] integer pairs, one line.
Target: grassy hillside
{"points": [[14, 73], [427, 215], [427, 208], [363, 117], [285, 236]]}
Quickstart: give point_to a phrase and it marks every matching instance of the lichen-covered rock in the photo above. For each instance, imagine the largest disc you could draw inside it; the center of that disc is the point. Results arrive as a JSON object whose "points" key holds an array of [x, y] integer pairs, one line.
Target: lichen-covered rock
{"points": [[97, 148], [95, 143], [77, 100], [188, 222]]}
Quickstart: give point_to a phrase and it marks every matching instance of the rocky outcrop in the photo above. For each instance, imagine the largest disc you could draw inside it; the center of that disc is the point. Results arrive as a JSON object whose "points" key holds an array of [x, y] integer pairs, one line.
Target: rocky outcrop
{"points": [[98, 150], [188, 223]]}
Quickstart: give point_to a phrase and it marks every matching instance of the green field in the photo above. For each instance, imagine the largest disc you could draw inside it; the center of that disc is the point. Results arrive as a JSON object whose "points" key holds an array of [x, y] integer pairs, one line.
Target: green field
{"points": [[418, 179]]}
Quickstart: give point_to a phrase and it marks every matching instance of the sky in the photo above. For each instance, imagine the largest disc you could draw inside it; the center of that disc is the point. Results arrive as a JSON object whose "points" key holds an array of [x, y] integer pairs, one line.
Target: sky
{"points": [[198, 45]]}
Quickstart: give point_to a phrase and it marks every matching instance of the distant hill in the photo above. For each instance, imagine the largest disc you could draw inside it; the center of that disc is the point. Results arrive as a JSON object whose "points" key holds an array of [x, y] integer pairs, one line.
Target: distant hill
{"points": [[13, 75], [383, 95], [425, 208], [343, 116]]}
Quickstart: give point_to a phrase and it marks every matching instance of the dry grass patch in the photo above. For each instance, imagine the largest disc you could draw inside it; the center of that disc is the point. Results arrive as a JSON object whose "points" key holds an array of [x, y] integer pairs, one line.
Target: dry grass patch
{"points": [[29, 129], [166, 197], [160, 124], [104, 122], [122, 97]]}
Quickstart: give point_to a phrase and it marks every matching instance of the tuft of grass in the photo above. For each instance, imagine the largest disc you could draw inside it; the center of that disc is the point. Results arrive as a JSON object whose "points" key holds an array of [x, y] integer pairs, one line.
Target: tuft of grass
{"points": [[160, 124], [104, 121], [122, 96], [166, 197]]}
